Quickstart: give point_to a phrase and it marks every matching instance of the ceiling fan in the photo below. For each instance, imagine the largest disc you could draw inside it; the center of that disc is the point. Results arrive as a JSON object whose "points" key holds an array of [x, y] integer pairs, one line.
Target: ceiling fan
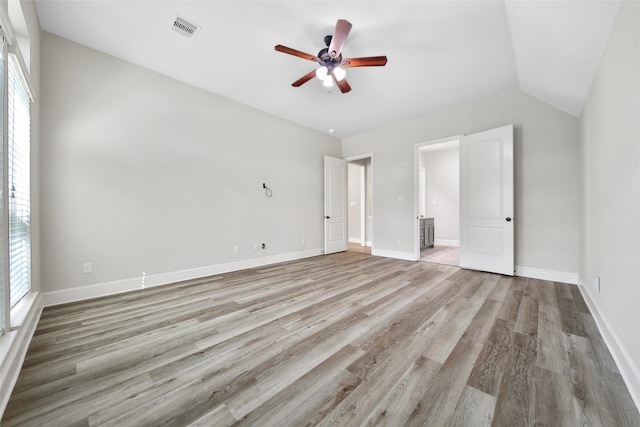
{"points": [[330, 59]]}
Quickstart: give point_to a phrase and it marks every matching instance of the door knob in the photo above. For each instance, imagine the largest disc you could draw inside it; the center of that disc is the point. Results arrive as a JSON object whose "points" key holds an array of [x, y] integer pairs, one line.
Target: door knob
{"points": [[508, 219]]}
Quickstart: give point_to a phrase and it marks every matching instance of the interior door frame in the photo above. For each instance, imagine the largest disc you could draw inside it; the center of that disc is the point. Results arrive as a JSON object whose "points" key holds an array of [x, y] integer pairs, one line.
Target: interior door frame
{"points": [[416, 188], [364, 208]]}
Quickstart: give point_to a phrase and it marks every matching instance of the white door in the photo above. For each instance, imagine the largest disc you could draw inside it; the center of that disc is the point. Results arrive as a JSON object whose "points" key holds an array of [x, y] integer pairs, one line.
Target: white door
{"points": [[486, 201], [335, 205]]}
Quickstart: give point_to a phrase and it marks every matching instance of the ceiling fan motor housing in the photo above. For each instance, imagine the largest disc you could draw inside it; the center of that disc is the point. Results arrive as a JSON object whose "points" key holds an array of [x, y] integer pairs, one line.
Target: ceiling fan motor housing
{"points": [[327, 60]]}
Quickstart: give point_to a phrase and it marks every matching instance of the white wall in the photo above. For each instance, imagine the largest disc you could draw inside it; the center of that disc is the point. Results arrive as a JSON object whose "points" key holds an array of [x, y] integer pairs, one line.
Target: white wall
{"points": [[443, 192], [610, 143], [355, 205], [368, 195], [547, 178], [142, 173]]}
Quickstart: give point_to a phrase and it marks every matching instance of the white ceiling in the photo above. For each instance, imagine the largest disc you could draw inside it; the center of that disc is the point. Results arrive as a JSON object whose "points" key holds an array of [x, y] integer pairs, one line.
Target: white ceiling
{"points": [[440, 53]]}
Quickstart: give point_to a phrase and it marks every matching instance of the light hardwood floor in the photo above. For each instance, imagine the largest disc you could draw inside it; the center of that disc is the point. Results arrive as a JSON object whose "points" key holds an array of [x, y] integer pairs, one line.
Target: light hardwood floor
{"points": [[357, 247], [449, 255], [343, 339]]}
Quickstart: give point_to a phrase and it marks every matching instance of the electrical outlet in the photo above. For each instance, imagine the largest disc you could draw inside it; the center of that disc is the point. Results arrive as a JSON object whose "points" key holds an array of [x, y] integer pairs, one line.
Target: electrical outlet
{"points": [[304, 241], [87, 268], [255, 246], [596, 283], [264, 246], [235, 249]]}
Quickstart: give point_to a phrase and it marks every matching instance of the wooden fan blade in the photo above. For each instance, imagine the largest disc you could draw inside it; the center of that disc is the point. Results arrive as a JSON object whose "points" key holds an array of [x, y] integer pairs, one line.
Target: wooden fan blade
{"points": [[297, 53], [302, 80], [343, 85], [339, 37], [369, 61]]}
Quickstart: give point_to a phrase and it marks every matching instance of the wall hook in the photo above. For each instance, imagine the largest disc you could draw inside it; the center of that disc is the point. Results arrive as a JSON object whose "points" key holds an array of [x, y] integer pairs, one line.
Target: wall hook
{"points": [[267, 190]]}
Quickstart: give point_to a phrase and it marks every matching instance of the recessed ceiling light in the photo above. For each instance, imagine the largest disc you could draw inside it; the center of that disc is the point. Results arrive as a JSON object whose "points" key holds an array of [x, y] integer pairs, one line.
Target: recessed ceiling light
{"points": [[332, 130]]}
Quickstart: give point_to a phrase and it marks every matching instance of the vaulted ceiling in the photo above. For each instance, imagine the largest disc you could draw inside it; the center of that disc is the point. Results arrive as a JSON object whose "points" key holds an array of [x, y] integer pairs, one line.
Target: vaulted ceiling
{"points": [[440, 53]]}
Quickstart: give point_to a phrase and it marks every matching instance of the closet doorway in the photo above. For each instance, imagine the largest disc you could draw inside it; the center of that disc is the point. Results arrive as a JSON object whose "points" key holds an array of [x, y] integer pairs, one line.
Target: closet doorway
{"points": [[438, 201], [359, 200]]}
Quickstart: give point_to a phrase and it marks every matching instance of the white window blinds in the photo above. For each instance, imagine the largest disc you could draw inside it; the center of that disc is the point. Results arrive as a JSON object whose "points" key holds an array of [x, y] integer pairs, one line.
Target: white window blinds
{"points": [[19, 191], [3, 279]]}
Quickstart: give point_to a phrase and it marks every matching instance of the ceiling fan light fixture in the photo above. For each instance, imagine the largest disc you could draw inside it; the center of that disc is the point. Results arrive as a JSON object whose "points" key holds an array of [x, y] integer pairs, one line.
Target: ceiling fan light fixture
{"points": [[322, 72], [329, 60]]}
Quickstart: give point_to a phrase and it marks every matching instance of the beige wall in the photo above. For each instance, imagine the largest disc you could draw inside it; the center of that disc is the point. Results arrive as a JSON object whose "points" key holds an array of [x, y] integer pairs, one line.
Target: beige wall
{"points": [[610, 143]]}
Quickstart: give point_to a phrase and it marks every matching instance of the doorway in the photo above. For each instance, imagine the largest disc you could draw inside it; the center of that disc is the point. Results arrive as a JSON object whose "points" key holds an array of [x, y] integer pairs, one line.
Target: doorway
{"points": [[485, 200], [439, 201], [360, 215]]}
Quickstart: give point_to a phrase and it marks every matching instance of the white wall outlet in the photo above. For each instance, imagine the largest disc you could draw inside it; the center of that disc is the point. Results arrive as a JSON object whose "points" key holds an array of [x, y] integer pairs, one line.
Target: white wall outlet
{"points": [[304, 241], [87, 268], [235, 249], [596, 283], [255, 246]]}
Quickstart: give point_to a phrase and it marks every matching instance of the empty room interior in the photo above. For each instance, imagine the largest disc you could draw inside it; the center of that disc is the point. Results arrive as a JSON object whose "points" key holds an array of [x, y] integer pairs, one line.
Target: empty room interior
{"points": [[284, 213]]}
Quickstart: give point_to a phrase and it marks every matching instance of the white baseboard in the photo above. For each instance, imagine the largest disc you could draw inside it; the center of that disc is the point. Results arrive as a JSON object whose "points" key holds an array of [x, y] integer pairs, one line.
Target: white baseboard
{"points": [[110, 288], [624, 361], [406, 256], [444, 242], [14, 345], [551, 275], [359, 241]]}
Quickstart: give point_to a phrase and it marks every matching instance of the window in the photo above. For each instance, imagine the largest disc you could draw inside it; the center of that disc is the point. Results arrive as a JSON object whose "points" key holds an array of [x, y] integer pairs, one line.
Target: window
{"points": [[15, 177], [19, 192], [3, 280]]}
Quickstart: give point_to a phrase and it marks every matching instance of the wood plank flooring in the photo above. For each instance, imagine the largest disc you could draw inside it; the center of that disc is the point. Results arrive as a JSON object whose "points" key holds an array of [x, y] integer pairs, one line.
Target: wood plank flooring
{"points": [[440, 254], [357, 247], [344, 339]]}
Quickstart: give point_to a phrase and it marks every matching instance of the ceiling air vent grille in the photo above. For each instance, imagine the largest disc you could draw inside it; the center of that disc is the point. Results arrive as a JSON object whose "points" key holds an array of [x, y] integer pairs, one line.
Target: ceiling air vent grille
{"points": [[184, 27]]}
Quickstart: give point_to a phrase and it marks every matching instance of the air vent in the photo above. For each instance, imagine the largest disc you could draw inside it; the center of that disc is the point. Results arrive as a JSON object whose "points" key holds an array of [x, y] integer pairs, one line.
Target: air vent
{"points": [[184, 27]]}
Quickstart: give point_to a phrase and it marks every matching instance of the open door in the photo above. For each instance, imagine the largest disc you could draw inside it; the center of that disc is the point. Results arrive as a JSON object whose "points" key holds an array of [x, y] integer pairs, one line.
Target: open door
{"points": [[335, 205], [486, 201]]}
